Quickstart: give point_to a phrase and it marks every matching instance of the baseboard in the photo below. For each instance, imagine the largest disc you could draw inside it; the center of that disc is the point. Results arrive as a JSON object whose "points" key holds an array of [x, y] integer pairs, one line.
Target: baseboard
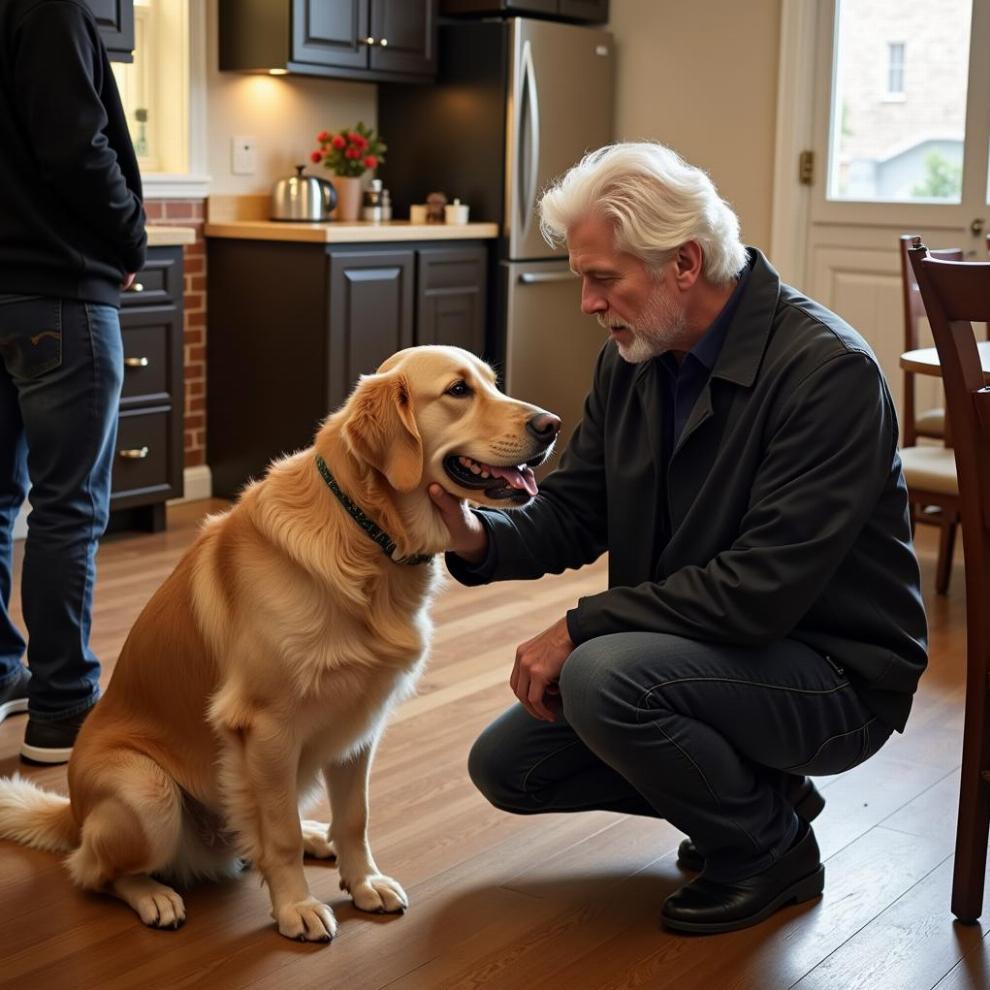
{"points": [[197, 483]]}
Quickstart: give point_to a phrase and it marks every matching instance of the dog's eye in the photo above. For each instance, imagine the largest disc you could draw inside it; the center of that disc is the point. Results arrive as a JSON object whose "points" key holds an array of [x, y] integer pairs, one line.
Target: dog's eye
{"points": [[459, 390]]}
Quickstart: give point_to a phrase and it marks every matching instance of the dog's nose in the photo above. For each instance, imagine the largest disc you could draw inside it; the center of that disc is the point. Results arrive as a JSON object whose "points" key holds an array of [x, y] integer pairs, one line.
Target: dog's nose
{"points": [[544, 426]]}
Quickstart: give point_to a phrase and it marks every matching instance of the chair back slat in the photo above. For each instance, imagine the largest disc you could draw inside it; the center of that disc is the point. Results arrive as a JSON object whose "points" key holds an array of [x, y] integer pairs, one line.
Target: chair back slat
{"points": [[914, 308]]}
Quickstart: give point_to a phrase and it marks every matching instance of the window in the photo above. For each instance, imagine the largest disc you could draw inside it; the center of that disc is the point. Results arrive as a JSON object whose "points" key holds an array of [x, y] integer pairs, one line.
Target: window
{"points": [[895, 68]]}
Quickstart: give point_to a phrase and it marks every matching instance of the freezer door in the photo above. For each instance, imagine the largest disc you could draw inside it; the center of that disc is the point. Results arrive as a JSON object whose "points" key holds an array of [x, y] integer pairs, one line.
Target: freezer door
{"points": [[551, 346], [559, 107]]}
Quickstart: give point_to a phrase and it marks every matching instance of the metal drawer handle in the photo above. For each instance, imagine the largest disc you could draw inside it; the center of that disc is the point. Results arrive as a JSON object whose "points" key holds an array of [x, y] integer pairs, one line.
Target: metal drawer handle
{"points": [[136, 287], [367, 41], [383, 42], [138, 362], [531, 278], [135, 453]]}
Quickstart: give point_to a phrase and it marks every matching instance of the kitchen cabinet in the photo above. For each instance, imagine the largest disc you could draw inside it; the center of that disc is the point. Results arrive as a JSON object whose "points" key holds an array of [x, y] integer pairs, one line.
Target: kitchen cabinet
{"points": [[375, 40], [115, 19], [293, 325], [590, 11], [148, 464]]}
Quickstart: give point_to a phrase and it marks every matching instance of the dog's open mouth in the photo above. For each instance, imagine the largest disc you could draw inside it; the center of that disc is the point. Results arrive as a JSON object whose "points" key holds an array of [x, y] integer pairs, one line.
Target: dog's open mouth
{"points": [[515, 482]]}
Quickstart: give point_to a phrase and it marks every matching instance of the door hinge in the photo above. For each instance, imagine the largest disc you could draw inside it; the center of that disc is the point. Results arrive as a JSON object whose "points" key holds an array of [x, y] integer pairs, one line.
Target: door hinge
{"points": [[806, 168]]}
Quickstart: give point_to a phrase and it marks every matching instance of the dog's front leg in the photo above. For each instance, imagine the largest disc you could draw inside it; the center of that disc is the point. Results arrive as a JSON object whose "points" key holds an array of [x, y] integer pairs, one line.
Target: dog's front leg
{"points": [[272, 808], [347, 784]]}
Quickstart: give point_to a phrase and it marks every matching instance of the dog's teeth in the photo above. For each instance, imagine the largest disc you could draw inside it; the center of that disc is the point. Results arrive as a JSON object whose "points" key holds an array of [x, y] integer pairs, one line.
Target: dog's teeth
{"points": [[485, 474], [474, 468]]}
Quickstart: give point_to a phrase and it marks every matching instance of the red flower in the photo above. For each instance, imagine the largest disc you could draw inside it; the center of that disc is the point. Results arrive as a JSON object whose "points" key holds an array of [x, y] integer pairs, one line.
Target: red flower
{"points": [[323, 136], [352, 153], [315, 156], [370, 161], [338, 141]]}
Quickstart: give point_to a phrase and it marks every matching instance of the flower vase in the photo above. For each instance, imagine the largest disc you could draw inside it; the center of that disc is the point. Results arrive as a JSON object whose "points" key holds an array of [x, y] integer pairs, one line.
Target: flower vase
{"points": [[348, 188]]}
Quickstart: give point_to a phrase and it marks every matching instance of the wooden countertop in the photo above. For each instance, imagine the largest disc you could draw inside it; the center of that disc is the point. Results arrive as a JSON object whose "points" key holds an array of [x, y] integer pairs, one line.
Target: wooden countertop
{"points": [[349, 233], [169, 236]]}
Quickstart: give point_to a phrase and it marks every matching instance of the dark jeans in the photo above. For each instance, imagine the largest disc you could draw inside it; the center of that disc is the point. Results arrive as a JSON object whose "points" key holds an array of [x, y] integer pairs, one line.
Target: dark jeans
{"points": [[61, 368], [702, 734]]}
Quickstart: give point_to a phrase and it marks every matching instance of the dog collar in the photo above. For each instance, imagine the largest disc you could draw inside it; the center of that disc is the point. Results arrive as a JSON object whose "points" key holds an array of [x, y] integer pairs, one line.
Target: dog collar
{"points": [[374, 531]]}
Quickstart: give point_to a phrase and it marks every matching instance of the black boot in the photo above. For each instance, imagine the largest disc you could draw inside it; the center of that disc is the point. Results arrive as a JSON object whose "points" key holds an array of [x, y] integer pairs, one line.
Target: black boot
{"points": [[706, 906], [802, 795]]}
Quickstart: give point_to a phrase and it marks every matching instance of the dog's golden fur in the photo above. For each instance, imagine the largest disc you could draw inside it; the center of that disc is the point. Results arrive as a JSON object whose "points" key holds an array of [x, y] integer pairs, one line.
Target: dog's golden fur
{"points": [[273, 653]]}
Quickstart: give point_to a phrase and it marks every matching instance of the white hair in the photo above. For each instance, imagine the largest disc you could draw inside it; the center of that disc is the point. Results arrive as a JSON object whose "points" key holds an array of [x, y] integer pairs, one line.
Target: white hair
{"points": [[656, 201]]}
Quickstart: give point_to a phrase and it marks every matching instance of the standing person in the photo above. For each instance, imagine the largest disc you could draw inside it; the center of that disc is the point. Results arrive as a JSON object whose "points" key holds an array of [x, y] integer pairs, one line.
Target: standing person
{"points": [[738, 461], [71, 236]]}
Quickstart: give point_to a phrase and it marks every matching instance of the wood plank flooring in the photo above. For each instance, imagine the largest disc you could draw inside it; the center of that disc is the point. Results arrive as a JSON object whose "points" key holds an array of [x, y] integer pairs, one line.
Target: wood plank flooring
{"points": [[567, 902]]}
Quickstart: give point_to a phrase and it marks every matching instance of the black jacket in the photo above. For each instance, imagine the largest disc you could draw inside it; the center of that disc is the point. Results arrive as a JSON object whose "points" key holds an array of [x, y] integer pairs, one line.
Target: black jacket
{"points": [[787, 507], [71, 221]]}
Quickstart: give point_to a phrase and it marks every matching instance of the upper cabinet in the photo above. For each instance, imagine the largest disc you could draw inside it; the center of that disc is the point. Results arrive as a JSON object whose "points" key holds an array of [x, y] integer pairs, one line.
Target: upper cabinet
{"points": [[115, 19], [590, 11], [375, 40]]}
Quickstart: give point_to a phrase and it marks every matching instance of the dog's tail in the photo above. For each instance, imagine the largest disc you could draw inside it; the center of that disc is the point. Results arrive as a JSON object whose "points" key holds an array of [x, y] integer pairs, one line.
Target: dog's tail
{"points": [[36, 817]]}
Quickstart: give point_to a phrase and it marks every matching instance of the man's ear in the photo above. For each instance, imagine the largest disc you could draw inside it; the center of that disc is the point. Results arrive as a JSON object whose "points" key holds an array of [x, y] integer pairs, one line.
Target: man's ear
{"points": [[381, 430]]}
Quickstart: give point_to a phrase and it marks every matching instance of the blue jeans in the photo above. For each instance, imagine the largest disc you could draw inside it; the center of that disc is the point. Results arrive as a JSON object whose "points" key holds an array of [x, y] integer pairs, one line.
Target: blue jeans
{"points": [[61, 369], [702, 734]]}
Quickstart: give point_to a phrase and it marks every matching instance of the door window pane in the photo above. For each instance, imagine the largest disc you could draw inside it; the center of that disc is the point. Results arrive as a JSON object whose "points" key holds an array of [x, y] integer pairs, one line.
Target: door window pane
{"points": [[899, 100]]}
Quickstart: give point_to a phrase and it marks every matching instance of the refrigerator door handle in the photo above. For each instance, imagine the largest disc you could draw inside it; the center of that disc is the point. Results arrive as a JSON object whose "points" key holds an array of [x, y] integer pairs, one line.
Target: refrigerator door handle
{"points": [[532, 278], [531, 108]]}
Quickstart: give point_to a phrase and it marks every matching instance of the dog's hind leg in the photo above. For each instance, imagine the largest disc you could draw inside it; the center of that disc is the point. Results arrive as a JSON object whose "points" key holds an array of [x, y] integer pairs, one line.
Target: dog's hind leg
{"points": [[131, 832]]}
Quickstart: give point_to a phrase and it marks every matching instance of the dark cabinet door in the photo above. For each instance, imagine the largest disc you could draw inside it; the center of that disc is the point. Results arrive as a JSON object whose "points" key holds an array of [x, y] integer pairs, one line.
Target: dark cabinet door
{"points": [[115, 19], [371, 314], [334, 34], [404, 35], [450, 304]]}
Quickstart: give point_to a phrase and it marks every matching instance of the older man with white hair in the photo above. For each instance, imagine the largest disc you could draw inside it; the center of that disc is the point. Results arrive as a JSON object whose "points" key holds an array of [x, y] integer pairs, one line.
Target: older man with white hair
{"points": [[737, 459]]}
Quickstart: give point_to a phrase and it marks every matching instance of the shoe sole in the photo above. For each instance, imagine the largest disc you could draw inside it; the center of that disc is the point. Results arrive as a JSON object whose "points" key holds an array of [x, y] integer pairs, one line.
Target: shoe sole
{"points": [[807, 809], [805, 889], [13, 707], [44, 755]]}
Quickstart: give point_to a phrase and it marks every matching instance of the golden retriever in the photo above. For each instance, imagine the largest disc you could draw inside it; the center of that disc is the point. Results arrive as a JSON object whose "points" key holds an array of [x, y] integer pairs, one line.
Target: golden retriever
{"points": [[275, 650]]}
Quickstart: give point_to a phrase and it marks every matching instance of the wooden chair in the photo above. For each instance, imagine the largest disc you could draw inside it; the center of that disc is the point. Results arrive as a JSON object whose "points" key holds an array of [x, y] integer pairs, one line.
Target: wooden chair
{"points": [[929, 470], [955, 295]]}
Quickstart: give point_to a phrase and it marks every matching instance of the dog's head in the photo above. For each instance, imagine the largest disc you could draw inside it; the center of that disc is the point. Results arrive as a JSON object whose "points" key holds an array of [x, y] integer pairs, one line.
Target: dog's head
{"points": [[434, 414]]}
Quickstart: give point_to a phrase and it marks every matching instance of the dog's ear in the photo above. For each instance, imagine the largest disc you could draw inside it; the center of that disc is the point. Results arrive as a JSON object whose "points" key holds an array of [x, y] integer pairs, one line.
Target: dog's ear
{"points": [[381, 429]]}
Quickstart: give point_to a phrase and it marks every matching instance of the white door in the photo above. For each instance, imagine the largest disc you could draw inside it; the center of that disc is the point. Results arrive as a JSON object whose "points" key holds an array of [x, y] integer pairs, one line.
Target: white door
{"points": [[901, 140]]}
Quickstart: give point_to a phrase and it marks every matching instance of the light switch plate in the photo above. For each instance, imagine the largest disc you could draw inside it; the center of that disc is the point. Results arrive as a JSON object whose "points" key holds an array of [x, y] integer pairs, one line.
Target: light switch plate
{"points": [[243, 155]]}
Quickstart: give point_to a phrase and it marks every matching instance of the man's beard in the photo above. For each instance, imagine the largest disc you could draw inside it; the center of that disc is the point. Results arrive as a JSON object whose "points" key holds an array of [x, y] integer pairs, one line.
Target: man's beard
{"points": [[658, 329]]}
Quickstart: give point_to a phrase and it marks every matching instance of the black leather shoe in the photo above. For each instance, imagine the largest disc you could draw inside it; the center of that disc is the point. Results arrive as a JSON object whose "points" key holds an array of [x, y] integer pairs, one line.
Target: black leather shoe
{"points": [[706, 906], [804, 797], [51, 740]]}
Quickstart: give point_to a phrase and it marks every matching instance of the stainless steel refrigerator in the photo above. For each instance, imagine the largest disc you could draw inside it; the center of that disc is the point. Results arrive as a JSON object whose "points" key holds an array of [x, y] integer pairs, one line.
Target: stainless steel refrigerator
{"points": [[517, 102]]}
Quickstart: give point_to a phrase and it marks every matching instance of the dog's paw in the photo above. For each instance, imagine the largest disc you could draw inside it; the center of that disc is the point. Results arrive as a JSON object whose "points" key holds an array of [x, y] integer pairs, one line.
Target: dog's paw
{"points": [[377, 893], [162, 908], [315, 841], [307, 921]]}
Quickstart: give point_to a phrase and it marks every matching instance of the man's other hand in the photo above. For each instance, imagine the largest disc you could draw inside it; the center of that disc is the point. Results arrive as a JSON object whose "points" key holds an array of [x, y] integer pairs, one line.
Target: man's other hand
{"points": [[539, 662], [128, 281]]}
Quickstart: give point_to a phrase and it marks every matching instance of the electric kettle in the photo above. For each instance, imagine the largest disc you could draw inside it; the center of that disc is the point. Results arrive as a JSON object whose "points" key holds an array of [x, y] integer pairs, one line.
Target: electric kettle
{"points": [[303, 198]]}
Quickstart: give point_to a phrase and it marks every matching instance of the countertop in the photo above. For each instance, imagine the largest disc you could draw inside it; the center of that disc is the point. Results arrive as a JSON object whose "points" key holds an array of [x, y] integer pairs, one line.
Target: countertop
{"points": [[169, 236], [349, 233]]}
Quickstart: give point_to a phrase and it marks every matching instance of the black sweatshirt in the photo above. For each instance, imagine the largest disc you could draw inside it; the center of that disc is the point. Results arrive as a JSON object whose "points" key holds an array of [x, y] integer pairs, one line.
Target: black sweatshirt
{"points": [[71, 220]]}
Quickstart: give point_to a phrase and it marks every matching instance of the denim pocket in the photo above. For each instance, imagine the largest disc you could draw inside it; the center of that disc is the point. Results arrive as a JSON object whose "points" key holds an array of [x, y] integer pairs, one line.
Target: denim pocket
{"points": [[31, 337], [840, 752]]}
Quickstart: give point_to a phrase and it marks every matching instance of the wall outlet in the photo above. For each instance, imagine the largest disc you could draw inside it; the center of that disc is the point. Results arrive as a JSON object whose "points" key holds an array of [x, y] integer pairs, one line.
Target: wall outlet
{"points": [[243, 155]]}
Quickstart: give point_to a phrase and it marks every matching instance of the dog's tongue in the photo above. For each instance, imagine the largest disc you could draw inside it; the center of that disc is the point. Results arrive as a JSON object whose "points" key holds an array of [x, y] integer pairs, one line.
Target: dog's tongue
{"points": [[516, 478]]}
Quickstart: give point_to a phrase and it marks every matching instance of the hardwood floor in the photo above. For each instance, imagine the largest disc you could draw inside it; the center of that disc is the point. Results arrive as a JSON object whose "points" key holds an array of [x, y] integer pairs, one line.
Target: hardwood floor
{"points": [[561, 901]]}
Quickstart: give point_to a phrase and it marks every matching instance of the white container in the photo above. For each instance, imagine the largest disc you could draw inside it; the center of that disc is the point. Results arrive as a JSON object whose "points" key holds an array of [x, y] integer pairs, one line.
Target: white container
{"points": [[417, 213], [456, 212]]}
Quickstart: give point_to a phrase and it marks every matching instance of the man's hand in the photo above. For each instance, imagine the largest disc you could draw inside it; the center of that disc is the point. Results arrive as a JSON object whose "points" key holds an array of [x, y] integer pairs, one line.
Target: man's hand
{"points": [[468, 538], [539, 662], [128, 281]]}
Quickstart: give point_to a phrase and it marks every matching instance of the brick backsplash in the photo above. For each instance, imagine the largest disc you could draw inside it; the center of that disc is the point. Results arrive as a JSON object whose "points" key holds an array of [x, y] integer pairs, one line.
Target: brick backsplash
{"points": [[190, 213]]}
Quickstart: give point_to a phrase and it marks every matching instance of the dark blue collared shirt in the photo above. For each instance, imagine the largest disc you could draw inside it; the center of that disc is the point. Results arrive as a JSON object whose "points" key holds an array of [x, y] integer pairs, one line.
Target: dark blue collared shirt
{"points": [[684, 382]]}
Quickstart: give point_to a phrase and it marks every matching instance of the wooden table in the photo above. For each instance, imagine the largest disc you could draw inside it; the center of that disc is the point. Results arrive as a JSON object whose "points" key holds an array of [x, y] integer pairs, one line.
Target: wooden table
{"points": [[924, 361]]}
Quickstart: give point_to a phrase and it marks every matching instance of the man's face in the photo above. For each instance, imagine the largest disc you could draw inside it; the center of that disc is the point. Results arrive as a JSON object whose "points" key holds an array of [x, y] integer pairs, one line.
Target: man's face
{"points": [[640, 310]]}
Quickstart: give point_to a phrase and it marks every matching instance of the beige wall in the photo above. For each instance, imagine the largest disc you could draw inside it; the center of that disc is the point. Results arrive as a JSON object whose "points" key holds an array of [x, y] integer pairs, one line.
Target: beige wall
{"points": [[702, 78], [282, 113]]}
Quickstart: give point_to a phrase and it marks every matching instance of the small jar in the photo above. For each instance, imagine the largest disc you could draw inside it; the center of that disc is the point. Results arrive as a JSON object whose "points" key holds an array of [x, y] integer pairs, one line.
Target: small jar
{"points": [[372, 210], [386, 206]]}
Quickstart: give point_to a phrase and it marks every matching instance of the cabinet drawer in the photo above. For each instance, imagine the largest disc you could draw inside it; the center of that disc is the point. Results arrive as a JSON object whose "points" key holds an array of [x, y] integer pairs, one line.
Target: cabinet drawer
{"points": [[148, 346], [159, 282], [141, 462]]}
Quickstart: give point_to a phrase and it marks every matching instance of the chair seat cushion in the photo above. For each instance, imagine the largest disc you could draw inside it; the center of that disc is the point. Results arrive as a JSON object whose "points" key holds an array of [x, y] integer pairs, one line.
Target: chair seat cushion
{"points": [[930, 468], [930, 423]]}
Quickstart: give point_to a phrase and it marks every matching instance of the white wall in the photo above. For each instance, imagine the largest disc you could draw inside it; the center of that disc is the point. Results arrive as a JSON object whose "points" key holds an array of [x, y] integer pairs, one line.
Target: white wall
{"points": [[702, 78], [282, 113]]}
